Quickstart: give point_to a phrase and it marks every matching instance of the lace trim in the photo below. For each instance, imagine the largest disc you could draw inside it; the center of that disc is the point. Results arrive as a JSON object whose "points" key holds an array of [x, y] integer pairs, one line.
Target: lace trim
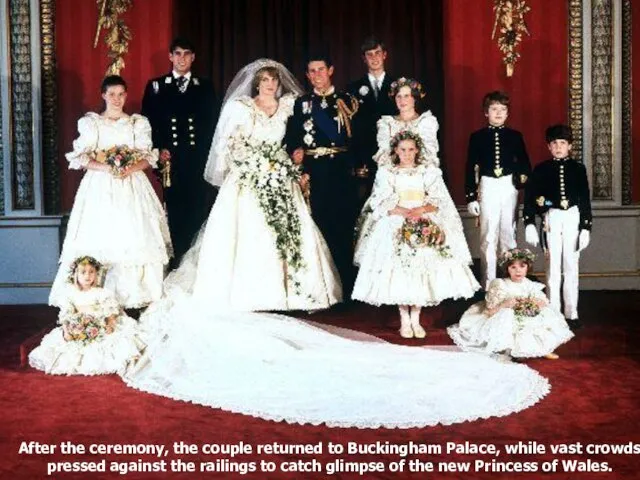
{"points": [[539, 387]]}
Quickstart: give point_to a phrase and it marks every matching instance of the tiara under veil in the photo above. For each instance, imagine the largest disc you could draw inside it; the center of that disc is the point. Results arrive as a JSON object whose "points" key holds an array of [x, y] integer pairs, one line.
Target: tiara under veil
{"points": [[215, 169]]}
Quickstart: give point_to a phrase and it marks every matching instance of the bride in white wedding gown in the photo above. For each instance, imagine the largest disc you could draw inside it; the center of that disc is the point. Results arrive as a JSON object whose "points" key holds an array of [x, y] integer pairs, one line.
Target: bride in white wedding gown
{"points": [[280, 368]]}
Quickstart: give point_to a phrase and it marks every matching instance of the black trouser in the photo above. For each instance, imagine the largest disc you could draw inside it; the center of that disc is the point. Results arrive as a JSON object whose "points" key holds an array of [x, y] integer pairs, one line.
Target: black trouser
{"points": [[333, 204], [188, 203]]}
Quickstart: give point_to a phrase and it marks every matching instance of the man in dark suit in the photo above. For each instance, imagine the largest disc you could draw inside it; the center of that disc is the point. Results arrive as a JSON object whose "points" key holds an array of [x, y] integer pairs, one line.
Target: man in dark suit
{"points": [[180, 108], [372, 92]]}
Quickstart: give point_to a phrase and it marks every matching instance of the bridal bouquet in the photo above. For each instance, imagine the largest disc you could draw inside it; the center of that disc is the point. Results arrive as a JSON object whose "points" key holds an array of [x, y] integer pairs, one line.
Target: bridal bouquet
{"points": [[118, 157], [526, 307], [422, 232], [269, 172], [82, 327]]}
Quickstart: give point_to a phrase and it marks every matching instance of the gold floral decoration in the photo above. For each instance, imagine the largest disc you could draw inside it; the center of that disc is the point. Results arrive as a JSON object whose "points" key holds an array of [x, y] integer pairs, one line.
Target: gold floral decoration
{"points": [[510, 25], [117, 34]]}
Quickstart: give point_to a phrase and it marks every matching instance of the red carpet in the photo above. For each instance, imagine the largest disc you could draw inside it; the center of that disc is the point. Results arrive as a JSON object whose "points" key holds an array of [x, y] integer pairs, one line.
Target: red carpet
{"points": [[595, 399]]}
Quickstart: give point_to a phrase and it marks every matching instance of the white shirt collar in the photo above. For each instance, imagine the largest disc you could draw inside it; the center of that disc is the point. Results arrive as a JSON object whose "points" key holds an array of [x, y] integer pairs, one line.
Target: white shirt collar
{"points": [[376, 81], [186, 75]]}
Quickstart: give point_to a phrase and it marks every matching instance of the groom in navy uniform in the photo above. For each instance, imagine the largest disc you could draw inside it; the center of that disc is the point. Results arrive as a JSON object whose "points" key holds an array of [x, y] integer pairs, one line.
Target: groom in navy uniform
{"points": [[318, 136], [181, 109], [372, 92]]}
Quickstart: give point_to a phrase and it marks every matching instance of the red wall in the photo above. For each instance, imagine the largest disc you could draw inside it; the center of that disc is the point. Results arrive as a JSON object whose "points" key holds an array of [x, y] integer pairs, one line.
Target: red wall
{"points": [[81, 67], [473, 66]]}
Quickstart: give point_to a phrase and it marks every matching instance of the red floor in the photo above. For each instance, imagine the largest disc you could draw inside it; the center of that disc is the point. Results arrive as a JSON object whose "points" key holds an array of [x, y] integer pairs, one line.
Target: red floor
{"points": [[595, 399]]}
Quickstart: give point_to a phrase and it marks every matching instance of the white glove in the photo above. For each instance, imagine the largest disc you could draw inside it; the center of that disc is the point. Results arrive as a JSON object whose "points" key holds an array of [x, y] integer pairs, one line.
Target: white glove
{"points": [[473, 208], [531, 235], [584, 239]]}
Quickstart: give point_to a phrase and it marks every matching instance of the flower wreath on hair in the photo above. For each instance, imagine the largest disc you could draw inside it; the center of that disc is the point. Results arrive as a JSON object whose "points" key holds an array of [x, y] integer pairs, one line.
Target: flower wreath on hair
{"points": [[86, 260], [413, 84], [523, 254], [408, 135]]}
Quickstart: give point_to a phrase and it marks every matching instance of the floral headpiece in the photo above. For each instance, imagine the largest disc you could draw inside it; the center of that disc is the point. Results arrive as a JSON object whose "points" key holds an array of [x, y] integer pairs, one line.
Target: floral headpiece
{"points": [[413, 84], [522, 254], [408, 135], [84, 260]]}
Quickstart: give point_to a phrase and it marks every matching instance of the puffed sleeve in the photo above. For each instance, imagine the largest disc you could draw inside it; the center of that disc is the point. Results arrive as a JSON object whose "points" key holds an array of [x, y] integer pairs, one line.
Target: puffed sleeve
{"points": [[496, 294], [447, 216], [536, 289], [235, 114], [142, 139], [108, 304], [287, 101], [383, 195], [85, 145], [428, 131], [383, 138]]}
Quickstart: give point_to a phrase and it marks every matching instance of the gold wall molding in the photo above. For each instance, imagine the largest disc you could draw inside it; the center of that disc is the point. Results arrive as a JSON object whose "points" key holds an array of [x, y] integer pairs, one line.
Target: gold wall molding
{"points": [[602, 55], [627, 79], [21, 103], [510, 26], [117, 34], [51, 172], [576, 75]]}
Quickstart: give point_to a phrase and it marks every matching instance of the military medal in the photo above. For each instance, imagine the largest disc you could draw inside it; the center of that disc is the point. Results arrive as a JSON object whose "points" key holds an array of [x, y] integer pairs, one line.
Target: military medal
{"points": [[498, 171], [324, 103], [564, 203]]}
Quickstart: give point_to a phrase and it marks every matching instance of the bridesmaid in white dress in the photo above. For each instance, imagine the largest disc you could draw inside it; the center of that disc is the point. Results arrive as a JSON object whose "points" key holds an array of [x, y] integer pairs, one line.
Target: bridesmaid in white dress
{"points": [[394, 271], [116, 218], [515, 317], [240, 262]]}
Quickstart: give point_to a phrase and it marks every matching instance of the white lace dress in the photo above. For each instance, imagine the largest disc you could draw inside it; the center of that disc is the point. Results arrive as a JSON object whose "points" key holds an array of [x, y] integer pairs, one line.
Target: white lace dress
{"points": [[235, 264], [109, 354], [391, 272], [426, 125], [503, 331], [120, 222]]}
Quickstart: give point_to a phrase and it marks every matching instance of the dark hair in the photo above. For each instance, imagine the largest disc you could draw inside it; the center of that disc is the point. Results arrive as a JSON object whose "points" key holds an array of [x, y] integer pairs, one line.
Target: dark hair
{"points": [[181, 42], [416, 90], [558, 132], [271, 71], [504, 268], [112, 81], [319, 57], [491, 98], [371, 43]]}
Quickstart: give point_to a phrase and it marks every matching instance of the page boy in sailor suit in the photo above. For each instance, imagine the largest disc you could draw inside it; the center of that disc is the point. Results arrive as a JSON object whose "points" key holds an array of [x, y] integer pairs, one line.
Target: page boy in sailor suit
{"points": [[559, 192], [497, 166]]}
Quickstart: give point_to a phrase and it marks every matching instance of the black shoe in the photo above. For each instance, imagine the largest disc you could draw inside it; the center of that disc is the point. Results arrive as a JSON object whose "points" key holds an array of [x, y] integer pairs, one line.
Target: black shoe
{"points": [[574, 324]]}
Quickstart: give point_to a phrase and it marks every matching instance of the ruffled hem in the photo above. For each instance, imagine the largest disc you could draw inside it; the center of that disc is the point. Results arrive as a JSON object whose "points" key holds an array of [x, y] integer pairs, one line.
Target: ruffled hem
{"points": [[398, 285], [539, 387], [55, 356]]}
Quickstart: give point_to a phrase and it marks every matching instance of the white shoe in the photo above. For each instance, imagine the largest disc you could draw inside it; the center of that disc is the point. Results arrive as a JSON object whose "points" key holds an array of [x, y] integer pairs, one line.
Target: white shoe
{"points": [[418, 331], [405, 324]]}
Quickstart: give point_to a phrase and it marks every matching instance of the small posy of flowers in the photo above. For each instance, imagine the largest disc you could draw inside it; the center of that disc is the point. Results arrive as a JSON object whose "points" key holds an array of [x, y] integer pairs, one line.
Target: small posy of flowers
{"points": [[118, 157], [267, 170], [83, 327], [422, 232], [526, 307]]}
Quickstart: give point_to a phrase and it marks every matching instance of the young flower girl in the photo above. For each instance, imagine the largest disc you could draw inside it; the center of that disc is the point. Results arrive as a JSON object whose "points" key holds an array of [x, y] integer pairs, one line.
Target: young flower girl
{"points": [[94, 337], [515, 317], [411, 248]]}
